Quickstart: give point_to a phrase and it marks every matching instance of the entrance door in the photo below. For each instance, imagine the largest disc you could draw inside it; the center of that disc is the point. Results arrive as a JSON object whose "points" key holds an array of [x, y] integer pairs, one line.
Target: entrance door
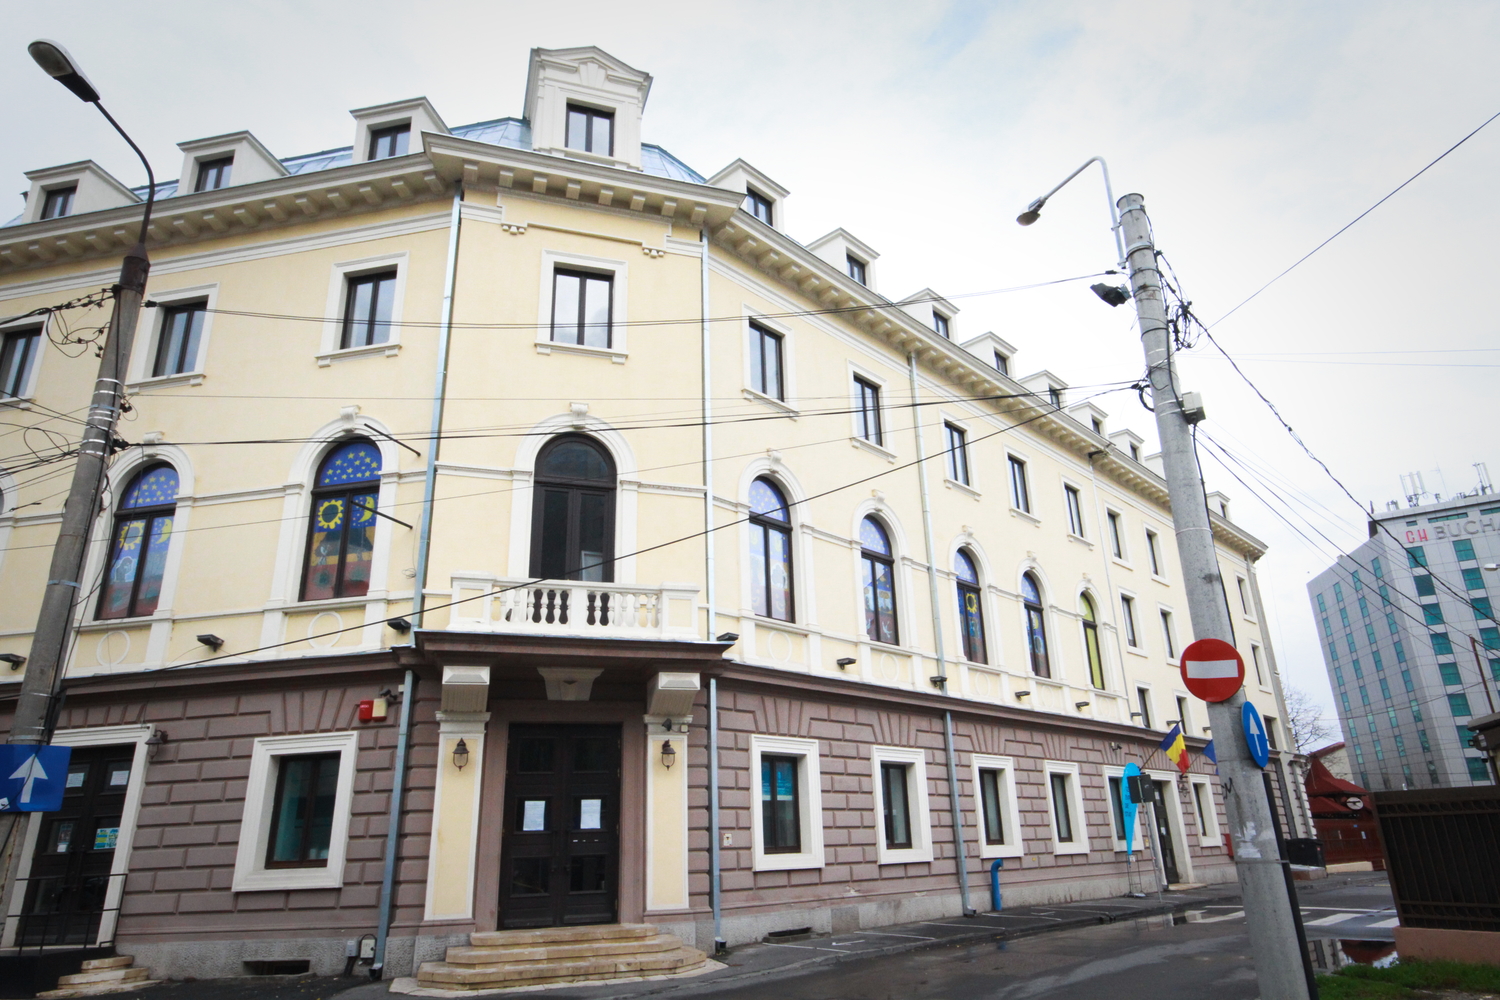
{"points": [[75, 851], [1164, 830], [560, 852]]}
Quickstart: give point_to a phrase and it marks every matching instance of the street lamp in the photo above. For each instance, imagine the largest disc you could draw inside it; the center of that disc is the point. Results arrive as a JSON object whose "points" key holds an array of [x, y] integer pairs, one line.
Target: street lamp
{"points": [[1034, 210]]}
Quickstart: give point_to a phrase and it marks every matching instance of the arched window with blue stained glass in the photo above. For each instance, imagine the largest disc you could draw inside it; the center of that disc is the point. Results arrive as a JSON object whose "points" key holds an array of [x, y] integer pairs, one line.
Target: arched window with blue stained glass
{"points": [[1036, 626], [770, 552], [879, 573], [970, 607], [341, 528], [138, 545]]}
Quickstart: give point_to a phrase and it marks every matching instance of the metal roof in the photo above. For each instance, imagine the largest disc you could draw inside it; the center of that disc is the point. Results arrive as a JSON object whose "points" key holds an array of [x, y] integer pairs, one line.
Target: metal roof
{"points": [[512, 132]]}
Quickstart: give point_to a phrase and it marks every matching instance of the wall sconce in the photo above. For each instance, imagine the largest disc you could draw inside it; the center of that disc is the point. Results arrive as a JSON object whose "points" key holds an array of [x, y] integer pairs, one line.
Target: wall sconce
{"points": [[939, 681], [668, 754], [14, 659], [399, 625], [728, 637], [1080, 705], [680, 728], [461, 755], [1208, 729], [1136, 715], [212, 641], [1023, 694], [845, 662], [1117, 746], [154, 742]]}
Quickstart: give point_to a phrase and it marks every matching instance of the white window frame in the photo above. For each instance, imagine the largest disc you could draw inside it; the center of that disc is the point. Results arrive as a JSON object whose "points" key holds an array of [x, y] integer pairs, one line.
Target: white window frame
{"points": [[1246, 605], [618, 270], [145, 352], [1074, 491], [250, 871], [788, 377], [1209, 832], [1112, 771], [967, 484], [1171, 646], [22, 399], [916, 794], [1258, 666], [1080, 844], [1010, 485], [1156, 556], [1114, 523], [856, 405], [1150, 705], [1010, 809], [338, 297], [809, 802], [1182, 704], [1135, 623]]}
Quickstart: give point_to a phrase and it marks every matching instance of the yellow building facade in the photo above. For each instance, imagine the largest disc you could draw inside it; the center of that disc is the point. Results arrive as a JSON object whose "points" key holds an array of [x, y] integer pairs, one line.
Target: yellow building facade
{"points": [[531, 432]]}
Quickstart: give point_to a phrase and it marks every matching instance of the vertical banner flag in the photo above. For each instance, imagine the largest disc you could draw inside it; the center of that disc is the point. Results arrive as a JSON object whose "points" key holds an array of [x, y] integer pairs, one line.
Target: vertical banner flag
{"points": [[1176, 748], [1128, 806], [1210, 753]]}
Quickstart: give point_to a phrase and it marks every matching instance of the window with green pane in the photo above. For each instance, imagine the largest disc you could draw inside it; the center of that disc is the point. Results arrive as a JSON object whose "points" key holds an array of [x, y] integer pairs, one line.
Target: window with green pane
{"points": [[1416, 556], [302, 821], [1432, 614], [1490, 637], [1463, 549], [781, 827], [1478, 769], [1473, 578], [1458, 704]]}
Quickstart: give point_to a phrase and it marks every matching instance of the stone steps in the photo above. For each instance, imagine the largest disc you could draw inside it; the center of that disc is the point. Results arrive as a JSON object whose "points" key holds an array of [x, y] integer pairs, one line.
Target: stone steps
{"points": [[101, 975], [500, 959]]}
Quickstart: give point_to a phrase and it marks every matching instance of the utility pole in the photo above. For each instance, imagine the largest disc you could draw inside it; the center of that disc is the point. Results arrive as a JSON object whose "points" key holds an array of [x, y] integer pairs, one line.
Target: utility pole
{"points": [[1269, 914], [35, 715]]}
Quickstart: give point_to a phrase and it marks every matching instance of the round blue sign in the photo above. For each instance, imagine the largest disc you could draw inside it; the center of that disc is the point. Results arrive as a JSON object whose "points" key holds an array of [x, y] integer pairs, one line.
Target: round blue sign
{"points": [[1255, 735]]}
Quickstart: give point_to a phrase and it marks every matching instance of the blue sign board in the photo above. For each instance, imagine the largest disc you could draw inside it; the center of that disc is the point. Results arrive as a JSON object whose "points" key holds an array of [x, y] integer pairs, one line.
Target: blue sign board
{"points": [[1128, 807], [1255, 735], [32, 778]]}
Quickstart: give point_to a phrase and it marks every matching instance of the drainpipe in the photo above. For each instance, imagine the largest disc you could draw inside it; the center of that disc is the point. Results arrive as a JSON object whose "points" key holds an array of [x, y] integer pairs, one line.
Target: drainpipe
{"points": [[714, 885], [439, 395], [393, 824], [961, 857]]}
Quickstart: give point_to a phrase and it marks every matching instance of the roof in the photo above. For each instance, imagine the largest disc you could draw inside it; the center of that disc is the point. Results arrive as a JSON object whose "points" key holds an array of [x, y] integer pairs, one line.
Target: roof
{"points": [[1325, 751], [512, 132], [1320, 781]]}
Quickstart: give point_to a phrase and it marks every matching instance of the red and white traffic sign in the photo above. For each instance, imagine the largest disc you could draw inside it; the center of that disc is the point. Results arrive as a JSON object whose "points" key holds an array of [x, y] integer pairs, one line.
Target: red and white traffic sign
{"points": [[1212, 669]]}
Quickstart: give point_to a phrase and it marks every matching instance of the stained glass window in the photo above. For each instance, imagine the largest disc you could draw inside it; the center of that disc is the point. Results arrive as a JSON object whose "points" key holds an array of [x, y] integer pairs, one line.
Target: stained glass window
{"points": [[341, 529], [879, 582], [770, 551], [1091, 641], [1036, 627], [138, 546], [970, 608]]}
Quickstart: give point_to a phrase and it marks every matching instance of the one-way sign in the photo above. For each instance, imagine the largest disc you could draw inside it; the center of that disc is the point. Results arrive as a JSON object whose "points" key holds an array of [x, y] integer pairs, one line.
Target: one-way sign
{"points": [[32, 778]]}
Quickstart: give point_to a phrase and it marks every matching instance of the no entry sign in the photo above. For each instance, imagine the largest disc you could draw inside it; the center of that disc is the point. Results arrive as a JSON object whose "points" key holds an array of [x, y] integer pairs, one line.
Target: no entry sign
{"points": [[1212, 669]]}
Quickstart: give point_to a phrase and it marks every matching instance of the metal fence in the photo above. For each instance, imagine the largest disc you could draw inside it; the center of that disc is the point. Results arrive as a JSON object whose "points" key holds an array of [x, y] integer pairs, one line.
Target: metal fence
{"points": [[63, 911], [1442, 848]]}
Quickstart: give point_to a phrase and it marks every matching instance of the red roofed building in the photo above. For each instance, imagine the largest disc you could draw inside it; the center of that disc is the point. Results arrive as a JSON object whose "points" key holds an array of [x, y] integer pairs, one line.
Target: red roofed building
{"points": [[1341, 812]]}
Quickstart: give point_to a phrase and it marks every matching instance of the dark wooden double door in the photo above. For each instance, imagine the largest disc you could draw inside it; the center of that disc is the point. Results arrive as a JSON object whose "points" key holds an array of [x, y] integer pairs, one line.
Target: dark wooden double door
{"points": [[560, 846], [75, 851]]}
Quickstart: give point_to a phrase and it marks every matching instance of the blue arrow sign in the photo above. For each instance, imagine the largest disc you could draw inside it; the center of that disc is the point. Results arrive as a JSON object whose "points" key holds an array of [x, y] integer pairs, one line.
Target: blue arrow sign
{"points": [[1255, 735], [1128, 807], [32, 778]]}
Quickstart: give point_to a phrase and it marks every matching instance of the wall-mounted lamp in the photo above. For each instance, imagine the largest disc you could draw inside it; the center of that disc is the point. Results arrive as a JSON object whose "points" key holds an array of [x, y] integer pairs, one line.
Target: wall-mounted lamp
{"points": [[14, 659], [845, 662], [1023, 694], [668, 754], [728, 637], [461, 755], [399, 625], [212, 641], [939, 681], [1208, 729], [1117, 746], [154, 742], [1080, 705], [1136, 715]]}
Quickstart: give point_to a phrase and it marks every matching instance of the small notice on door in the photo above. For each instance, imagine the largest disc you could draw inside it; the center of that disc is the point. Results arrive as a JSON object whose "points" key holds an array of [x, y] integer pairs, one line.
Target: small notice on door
{"points": [[105, 837], [534, 816], [588, 813]]}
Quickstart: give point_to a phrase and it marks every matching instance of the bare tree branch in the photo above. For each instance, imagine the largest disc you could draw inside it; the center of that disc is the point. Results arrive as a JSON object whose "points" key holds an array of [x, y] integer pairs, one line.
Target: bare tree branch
{"points": [[1305, 720]]}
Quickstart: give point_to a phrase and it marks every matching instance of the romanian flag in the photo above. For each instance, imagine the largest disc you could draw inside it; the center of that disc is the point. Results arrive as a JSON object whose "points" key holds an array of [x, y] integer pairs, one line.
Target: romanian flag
{"points": [[1176, 748]]}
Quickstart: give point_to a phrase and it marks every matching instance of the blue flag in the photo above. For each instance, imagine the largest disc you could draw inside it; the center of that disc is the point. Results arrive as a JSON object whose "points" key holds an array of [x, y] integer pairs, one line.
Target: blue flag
{"points": [[1208, 752]]}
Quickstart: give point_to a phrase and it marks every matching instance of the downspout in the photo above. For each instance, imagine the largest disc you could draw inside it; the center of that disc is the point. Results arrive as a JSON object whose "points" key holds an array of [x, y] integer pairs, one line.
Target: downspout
{"points": [[393, 824], [714, 884], [961, 855], [439, 396]]}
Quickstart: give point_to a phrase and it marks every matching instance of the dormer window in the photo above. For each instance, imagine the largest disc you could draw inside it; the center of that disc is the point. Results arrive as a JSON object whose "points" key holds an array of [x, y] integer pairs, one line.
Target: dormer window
{"points": [[758, 205], [388, 142], [1098, 425], [1002, 363], [59, 202], [1056, 397], [940, 324], [1135, 453], [857, 268], [591, 130], [213, 174]]}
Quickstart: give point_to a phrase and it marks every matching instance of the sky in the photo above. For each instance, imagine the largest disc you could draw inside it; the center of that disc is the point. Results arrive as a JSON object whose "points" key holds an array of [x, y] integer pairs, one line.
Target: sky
{"points": [[1254, 131]]}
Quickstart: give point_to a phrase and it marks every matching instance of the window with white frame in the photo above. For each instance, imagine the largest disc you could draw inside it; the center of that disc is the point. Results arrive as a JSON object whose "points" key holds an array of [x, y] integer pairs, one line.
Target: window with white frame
{"points": [[295, 829], [1116, 534], [1075, 510], [867, 411], [214, 174], [1070, 833], [1114, 780], [1209, 834], [180, 338], [858, 269], [903, 823], [393, 140], [1244, 591], [1153, 549], [1143, 706], [1182, 716], [1260, 675], [1168, 638], [787, 811], [18, 356], [956, 444], [1002, 363], [591, 130], [758, 205], [1020, 491], [582, 308], [941, 324], [1127, 618], [767, 368], [996, 808], [59, 202], [364, 308]]}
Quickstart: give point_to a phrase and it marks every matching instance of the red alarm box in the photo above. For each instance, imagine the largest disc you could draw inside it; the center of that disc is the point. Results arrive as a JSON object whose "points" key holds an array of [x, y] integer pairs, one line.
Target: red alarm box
{"points": [[373, 710]]}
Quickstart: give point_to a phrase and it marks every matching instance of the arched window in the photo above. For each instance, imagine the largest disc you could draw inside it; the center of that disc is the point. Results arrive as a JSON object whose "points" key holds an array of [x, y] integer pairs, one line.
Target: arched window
{"points": [[341, 529], [138, 548], [573, 511], [970, 613], [1036, 628], [879, 581], [770, 551], [1091, 641]]}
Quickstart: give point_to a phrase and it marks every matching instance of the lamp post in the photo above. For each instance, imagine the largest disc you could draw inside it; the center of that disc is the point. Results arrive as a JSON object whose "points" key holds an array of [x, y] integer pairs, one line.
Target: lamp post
{"points": [[1272, 916], [35, 715]]}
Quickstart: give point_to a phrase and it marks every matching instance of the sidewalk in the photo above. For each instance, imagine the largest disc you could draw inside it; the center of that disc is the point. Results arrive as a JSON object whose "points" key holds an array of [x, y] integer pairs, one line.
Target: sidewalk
{"points": [[768, 962]]}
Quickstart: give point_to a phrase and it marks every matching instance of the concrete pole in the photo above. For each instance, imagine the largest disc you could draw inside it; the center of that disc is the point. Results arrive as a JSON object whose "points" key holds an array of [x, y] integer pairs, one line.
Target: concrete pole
{"points": [[1268, 911]]}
